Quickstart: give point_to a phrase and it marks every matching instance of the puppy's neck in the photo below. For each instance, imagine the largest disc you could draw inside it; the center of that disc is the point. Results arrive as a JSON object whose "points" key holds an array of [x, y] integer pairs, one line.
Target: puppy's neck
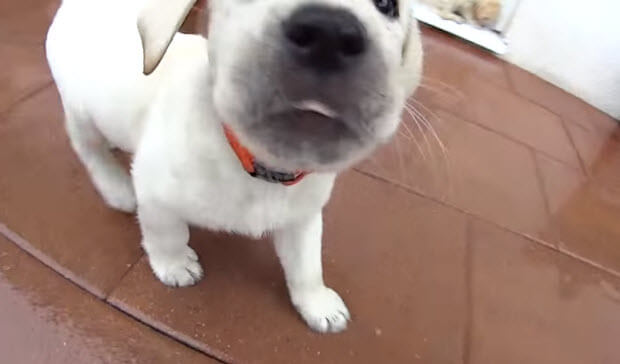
{"points": [[255, 168]]}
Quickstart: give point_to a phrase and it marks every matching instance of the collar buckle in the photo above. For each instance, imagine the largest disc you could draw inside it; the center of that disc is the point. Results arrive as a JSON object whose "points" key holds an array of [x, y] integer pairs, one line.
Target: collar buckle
{"points": [[285, 178]]}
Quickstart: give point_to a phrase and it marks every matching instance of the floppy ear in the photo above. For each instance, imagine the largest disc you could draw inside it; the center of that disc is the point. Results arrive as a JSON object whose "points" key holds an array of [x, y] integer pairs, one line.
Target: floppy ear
{"points": [[158, 21], [411, 66]]}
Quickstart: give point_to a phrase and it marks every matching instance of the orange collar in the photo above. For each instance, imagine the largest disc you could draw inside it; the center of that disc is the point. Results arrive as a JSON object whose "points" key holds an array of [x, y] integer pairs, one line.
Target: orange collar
{"points": [[256, 169]]}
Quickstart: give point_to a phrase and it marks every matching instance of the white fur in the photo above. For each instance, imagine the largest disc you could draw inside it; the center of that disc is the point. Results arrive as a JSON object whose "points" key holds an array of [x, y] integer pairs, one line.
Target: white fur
{"points": [[184, 172]]}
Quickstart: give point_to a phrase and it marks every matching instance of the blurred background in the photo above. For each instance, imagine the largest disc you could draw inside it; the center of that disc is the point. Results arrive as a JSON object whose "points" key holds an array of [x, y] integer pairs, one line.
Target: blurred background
{"points": [[573, 44]]}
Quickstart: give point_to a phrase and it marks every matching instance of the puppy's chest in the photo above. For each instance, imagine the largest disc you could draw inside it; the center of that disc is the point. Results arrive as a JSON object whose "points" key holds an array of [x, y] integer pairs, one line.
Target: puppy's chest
{"points": [[250, 207], [200, 178]]}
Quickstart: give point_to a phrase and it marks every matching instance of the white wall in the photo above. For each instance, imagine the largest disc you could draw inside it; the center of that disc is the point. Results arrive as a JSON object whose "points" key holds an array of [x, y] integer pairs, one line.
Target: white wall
{"points": [[574, 44]]}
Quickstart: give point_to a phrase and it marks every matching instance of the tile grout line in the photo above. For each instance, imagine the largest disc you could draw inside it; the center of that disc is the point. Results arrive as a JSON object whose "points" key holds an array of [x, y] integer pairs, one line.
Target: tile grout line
{"points": [[526, 236], [18, 241], [25, 246], [159, 326], [37, 254], [513, 90], [27, 96], [469, 313], [588, 261], [511, 85], [535, 102], [125, 274], [512, 139], [163, 333], [582, 163], [29, 248], [540, 182], [523, 97]]}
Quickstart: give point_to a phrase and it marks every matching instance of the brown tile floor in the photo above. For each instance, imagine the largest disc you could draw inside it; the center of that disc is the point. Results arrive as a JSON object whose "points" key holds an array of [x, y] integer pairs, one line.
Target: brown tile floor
{"points": [[47, 319], [502, 248]]}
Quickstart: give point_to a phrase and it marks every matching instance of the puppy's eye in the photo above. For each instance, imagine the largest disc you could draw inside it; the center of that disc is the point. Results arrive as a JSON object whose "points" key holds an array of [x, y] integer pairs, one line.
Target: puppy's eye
{"points": [[387, 7]]}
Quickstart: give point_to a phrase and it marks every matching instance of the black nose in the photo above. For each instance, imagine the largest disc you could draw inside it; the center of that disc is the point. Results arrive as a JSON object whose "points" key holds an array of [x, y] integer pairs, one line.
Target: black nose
{"points": [[324, 38]]}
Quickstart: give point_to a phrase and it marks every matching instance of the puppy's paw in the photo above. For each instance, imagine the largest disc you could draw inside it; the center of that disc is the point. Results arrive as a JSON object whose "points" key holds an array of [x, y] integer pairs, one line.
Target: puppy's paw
{"points": [[117, 191], [323, 310], [179, 270]]}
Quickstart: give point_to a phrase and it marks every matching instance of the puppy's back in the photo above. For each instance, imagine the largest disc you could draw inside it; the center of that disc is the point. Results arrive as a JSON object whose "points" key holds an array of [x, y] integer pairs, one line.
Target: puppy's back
{"points": [[93, 47], [95, 54]]}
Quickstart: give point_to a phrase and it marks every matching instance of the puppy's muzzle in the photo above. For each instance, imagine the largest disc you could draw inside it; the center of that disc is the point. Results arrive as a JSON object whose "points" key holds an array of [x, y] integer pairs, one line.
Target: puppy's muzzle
{"points": [[325, 39]]}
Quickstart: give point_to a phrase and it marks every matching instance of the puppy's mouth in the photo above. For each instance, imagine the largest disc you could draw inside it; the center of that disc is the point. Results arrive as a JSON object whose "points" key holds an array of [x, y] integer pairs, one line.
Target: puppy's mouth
{"points": [[306, 123], [302, 126], [299, 137], [316, 107]]}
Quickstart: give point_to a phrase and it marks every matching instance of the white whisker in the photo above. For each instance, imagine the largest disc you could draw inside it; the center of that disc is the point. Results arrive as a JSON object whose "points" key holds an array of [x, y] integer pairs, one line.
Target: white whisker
{"points": [[444, 149], [457, 93], [413, 138], [430, 127], [411, 113]]}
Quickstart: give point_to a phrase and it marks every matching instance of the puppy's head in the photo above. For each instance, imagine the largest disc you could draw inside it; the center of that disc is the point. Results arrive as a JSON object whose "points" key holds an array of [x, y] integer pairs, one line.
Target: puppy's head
{"points": [[312, 84]]}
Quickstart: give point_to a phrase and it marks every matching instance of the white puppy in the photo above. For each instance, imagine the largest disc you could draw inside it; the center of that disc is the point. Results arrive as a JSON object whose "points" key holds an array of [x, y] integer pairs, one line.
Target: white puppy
{"points": [[244, 134]]}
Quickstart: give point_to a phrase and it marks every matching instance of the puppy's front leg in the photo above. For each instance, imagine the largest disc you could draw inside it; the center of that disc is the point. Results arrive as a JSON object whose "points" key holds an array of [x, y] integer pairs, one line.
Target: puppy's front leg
{"points": [[165, 238], [299, 248]]}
